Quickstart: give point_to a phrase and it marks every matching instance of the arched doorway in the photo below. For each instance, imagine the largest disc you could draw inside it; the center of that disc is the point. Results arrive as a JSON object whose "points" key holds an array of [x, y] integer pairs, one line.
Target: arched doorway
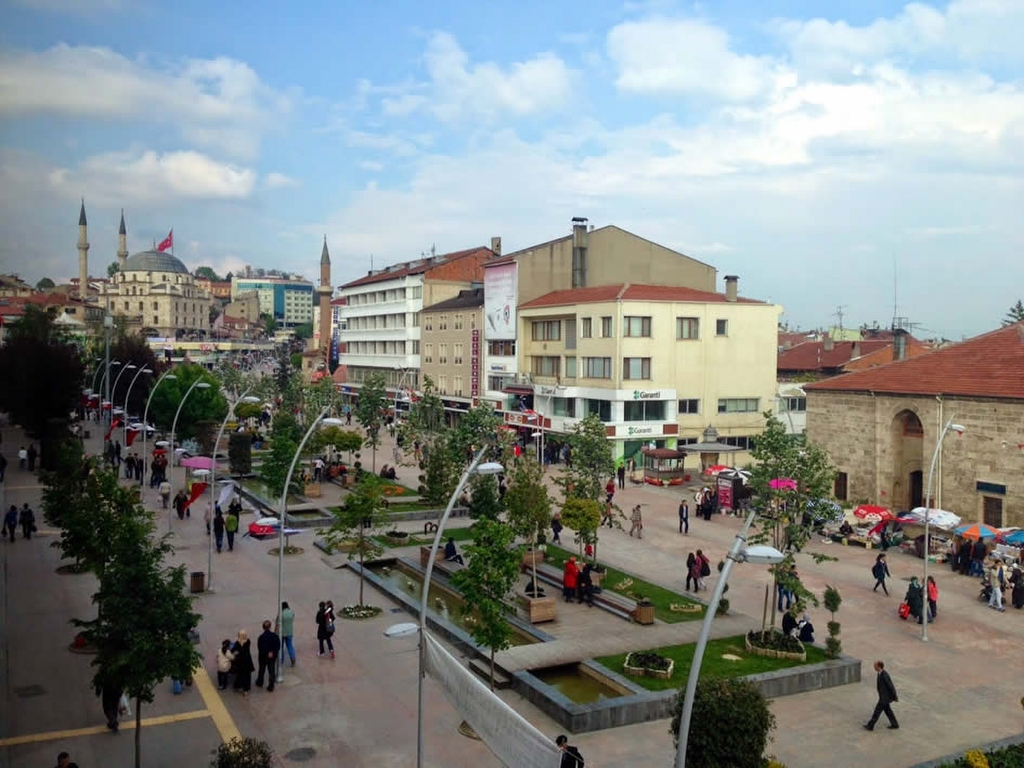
{"points": [[907, 461]]}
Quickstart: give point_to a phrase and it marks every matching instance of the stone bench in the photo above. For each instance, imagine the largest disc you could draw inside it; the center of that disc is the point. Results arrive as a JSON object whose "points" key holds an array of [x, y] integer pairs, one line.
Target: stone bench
{"points": [[612, 602]]}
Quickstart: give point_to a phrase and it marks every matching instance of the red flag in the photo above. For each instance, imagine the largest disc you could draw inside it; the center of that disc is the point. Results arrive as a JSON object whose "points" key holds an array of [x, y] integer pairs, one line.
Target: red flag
{"points": [[197, 491], [167, 243], [132, 434], [113, 425]]}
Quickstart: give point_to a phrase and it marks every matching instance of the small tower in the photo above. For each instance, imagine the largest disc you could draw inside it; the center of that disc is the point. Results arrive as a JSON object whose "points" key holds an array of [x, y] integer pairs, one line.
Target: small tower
{"points": [[324, 293], [83, 255], [122, 244]]}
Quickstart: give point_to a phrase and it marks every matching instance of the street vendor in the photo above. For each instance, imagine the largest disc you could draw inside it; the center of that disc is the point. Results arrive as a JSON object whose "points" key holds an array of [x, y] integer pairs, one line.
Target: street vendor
{"points": [[846, 529]]}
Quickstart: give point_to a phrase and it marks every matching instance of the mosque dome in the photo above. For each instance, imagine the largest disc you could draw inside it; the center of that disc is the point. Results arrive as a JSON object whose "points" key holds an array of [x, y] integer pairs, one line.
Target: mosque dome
{"points": [[154, 261]]}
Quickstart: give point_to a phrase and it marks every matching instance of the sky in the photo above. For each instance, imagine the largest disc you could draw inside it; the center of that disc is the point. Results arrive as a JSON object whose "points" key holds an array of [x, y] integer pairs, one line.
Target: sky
{"points": [[856, 157]]}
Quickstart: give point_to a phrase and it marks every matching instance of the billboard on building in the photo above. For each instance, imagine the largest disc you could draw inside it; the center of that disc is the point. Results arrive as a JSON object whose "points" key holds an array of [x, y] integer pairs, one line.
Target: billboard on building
{"points": [[501, 287]]}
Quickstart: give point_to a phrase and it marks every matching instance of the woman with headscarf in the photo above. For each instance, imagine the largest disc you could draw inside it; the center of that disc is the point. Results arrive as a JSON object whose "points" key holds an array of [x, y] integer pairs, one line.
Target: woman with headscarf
{"points": [[242, 666], [1017, 580]]}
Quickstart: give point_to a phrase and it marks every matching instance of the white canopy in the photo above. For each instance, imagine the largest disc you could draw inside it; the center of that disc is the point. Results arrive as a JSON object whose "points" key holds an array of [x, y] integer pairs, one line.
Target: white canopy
{"points": [[937, 518]]}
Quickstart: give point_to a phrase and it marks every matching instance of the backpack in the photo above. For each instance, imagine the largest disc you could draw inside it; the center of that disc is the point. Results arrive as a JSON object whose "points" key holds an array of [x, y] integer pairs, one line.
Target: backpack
{"points": [[876, 570], [231, 523], [705, 568]]}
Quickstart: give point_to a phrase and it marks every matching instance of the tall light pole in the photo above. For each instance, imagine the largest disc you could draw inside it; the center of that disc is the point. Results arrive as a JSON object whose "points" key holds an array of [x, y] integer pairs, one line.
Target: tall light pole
{"points": [[113, 392], [145, 420], [739, 553], [959, 428], [108, 323], [127, 394], [200, 384], [95, 375], [105, 384], [282, 517], [243, 398]]}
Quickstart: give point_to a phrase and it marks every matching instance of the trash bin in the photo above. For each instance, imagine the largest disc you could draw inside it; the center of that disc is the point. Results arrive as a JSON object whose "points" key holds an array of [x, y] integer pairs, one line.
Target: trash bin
{"points": [[198, 582]]}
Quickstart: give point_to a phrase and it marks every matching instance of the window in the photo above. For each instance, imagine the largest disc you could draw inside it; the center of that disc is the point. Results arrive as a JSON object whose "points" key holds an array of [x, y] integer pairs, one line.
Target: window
{"points": [[428, 353], [495, 383], [606, 327], [721, 327], [415, 347], [442, 384], [795, 404], [635, 327], [644, 410], [597, 367], [547, 330], [457, 386], [600, 408], [570, 367], [457, 354], [428, 323], [157, 320], [689, 406], [458, 322], [636, 367], [415, 292], [839, 489], [563, 406], [442, 354], [992, 511], [156, 305], [744, 443], [687, 328], [501, 348], [739, 405], [545, 366], [126, 305], [587, 328], [442, 323]]}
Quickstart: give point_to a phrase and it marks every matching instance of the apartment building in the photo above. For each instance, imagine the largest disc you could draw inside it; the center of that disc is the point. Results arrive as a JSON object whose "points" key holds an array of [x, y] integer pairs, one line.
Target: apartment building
{"points": [[287, 300], [379, 326], [658, 364], [450, 348]]}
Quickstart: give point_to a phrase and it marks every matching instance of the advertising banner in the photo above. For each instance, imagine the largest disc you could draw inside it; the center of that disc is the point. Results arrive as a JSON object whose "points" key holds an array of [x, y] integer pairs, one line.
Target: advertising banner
{"points": [[725, 487], [500, 291]]}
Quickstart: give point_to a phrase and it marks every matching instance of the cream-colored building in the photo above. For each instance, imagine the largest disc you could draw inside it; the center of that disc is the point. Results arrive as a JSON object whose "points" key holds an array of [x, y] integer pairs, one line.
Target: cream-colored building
{"points": [[450, 352], [245, 306], [658, 364]]}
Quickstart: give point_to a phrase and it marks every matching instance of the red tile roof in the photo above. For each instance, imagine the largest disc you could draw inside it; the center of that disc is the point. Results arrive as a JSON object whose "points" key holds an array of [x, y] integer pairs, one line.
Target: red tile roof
{"points": [[990, 365], [416, 267], [813, 356], [629, 292]]}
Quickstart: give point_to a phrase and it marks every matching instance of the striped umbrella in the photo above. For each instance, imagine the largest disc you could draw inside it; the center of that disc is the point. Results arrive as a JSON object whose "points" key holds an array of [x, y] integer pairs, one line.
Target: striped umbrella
{"points": [[976, 531]]}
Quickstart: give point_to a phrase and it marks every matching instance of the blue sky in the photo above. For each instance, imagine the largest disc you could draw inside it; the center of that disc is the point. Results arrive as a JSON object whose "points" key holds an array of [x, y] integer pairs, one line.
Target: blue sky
{"points": [[807, 147]]}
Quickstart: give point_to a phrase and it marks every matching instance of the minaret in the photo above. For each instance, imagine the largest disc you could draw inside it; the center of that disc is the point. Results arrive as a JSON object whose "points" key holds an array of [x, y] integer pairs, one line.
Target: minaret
{"points": [[325, 291], [83, 255], [122, 244]]}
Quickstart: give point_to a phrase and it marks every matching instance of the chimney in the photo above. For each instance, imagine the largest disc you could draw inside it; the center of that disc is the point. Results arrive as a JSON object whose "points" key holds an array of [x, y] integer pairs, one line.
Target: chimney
{"points": [[731, 284], [899, 346], [829, 343], [496, 245], [855, 351], [580, 243]]}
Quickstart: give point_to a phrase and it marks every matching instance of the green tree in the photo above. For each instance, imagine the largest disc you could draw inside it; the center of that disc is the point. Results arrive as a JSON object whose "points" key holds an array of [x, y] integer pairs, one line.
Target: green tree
{"points": [[491, 572], [342, 440], [303, 331], [269, 323], [484, 499], [443, 466], [206, 273], [45, 284], [731, 724], [41, 380], [248, 411], [356, 520], [833, 645], [132, 349], [528, 504], [113, 269], [202, 405], [240, 453], [426, 415], [592, 462], [275, 466], [322, 394], [584, 517], [1015, 314], [784, 517], [370, 411], [243, 753]]}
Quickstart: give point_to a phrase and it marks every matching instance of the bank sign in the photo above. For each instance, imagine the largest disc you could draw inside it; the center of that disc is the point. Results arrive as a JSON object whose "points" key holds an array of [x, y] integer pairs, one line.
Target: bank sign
{"points": [[646, 429], [645, 394]]}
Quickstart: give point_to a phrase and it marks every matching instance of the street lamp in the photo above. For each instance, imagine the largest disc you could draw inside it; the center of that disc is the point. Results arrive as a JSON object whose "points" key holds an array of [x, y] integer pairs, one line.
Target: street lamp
{"points": [[145, 420], [200, 384], [96, 373], [282, 517], [127, 394], [407, 628], [243, 398], [105, 382], [758, 554], [927, 514], [117, 379]]}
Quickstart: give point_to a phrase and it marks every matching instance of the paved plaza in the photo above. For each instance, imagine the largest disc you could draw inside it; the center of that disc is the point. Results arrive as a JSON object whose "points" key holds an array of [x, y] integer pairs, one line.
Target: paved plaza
{"points": [[961, 688]]}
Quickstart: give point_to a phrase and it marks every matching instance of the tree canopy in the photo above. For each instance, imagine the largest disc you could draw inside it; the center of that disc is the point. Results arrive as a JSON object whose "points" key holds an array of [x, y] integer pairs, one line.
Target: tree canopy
{"points": [[356, 520], [304, 330], [369, 411], [132, 349], [1015, 314], [592, 462], [45, 284], [203, 405], [113, 268], [207, 273]]}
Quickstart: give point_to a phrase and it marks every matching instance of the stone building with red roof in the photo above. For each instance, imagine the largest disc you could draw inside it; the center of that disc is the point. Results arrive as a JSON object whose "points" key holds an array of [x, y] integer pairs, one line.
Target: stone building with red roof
{"points": [[881, 425]]}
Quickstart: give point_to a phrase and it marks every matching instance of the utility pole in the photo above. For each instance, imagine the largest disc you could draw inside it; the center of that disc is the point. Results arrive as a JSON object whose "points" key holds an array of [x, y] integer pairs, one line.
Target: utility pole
{"points": [[108, 323], [839, 315]]}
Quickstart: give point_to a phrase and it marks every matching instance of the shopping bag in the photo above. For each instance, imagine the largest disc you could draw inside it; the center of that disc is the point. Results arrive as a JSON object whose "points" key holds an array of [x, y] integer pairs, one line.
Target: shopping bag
{"points": [[904, 610], [176, 687], [124, 707]]}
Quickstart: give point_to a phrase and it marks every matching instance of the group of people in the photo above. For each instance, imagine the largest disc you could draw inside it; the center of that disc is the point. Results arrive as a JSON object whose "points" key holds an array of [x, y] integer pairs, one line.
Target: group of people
{"points": [[698, 568], [25, 517], [578, 583], [234, 659]]}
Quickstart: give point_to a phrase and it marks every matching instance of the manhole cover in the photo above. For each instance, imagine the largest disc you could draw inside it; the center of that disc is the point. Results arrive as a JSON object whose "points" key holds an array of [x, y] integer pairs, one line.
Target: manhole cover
{"points": [[28, 691], [300, 755]]}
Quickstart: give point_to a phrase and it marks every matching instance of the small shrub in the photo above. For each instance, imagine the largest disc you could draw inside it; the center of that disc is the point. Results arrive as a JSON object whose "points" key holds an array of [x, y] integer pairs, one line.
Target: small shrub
{"points": [[832, 600], [723, 607], [731, 724], [774, 641], [243, 753], [647, 660], [976, 759]]}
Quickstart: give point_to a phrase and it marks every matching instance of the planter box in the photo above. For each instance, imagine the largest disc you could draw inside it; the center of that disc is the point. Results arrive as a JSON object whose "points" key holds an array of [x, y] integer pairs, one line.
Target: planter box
{"points": [[773, 654], [312, 491], [644, 614], [397, 539], [660, 674], [538, 609], [535, 556]]}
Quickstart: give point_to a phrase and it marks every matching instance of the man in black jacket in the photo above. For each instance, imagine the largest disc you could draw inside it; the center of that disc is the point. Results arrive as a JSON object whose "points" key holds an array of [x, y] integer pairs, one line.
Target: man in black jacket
{"points": [[268, 646], [571, 757], [886, 696]]}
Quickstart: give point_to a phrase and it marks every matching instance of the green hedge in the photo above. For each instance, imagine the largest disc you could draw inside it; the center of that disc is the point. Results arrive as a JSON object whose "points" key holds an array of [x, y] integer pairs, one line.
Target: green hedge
{"points": [[1007, 757]]}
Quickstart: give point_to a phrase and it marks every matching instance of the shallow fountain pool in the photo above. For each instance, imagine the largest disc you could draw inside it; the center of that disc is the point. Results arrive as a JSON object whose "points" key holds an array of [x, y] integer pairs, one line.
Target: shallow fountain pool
{"points": [[580, 684]]}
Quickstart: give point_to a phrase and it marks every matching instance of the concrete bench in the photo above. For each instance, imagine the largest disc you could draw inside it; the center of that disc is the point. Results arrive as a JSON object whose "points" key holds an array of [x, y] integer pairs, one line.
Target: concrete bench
{"points": [[612, 602]]}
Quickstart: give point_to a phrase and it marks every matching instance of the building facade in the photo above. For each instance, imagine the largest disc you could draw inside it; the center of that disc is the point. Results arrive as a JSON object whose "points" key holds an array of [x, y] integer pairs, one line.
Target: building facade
{"points": [[450, 348], [288, 300], [657, 364], [881, 426], [245, 306]]}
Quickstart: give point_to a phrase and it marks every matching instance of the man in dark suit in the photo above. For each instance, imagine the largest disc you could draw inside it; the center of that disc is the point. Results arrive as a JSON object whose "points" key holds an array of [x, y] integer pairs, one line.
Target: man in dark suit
{"points": [[268, 647], [886, 696]]}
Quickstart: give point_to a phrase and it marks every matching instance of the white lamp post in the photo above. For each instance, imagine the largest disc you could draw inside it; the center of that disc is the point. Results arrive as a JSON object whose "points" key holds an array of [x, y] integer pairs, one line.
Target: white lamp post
{"points": [[145, 420], [96, 374], [127, 394], [927, 517], [282, 518], [105, 387], [759, 554], [407, 628], [117, 379], [200, 384]]}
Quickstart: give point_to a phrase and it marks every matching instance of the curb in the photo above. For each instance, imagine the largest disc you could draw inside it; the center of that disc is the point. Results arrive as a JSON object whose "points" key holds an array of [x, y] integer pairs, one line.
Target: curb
{"points": [[988, 747]]}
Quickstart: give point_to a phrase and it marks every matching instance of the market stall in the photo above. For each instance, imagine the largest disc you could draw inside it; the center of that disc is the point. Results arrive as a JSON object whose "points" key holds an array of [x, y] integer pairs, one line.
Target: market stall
{"points": [[664, 466]]}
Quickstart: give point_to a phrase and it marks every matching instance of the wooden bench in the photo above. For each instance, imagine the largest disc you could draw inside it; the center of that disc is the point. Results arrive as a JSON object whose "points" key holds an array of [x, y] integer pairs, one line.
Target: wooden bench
{"points": [[440, 564], [612, 602]]}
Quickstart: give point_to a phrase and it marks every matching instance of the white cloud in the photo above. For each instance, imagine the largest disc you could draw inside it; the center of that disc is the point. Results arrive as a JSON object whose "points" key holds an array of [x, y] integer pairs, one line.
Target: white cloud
{"points": [[371, 165], [276, 180], [221, 264], [956, 230], [147, 177], [218, 102], [687, 56]]}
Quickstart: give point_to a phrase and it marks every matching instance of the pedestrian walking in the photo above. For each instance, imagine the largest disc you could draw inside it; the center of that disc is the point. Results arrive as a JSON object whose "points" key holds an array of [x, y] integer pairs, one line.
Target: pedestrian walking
{"points": [[27, 518], [165, 493], [621, 472], [32, 455], [231, 526], [11, 522], [288, 630], [218, 529], [692, 572], [110, 692], [637, 522], [556, 528], [915, 599], [22, 458], [933, 598], [684, 517], [609, 490], [880, 570], [3, 467], [268, 648], [571, 757], [997, 579], [208, 517], [886, 698], [325, 628], [224, 658]]}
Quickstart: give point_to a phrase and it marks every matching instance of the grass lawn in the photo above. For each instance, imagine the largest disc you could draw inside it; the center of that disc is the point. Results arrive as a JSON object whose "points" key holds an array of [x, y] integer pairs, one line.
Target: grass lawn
{"points": [[713, 664], [661, 597]]}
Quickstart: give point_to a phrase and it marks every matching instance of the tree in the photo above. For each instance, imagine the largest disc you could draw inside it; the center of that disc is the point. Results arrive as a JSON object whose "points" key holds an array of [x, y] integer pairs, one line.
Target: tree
{"points": [[341, 440], [362, 513], [42, 379], [303, 330], [269, 323], [491, 572], [202, 405], [132, 349], [206, 273], [370, 411], [833, 645], [528, 505], [584, 517], [592, 462], [442, 469], [113, 268], [45, 284], [1015, 314], [243, 753], [484, 499], [322, 394], [784, 509], [240, 453], [731, 724], [274, 469]]}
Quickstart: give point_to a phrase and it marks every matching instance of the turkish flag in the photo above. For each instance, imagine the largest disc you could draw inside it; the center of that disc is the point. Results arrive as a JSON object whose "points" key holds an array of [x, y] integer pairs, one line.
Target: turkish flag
{"points": [[197, 491], [167, 242], [132, 434], [113, 425]]}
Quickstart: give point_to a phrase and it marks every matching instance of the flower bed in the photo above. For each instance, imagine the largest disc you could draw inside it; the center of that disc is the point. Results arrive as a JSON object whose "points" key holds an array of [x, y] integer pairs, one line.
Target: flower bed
{"points": [[359, 611], [775, 645], [392, 490], [648, 664]]}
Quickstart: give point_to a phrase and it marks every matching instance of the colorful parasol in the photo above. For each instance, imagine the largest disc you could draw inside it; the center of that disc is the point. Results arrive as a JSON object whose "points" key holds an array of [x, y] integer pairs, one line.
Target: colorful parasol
{"points": [[873, 512], [976, 531]]}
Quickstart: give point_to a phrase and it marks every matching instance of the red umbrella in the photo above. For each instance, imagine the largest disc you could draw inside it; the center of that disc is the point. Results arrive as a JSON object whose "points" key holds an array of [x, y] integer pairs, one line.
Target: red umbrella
{"points": [[874, 512], [714, 469]]}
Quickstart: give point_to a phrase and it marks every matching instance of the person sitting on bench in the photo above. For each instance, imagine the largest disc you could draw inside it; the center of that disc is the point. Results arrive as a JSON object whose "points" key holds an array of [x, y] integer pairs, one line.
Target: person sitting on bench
{"points": [[451, 554], [846, 529]]}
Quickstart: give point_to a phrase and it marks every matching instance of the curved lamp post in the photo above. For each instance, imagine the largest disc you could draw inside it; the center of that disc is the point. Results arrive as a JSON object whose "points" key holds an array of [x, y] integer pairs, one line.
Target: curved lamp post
{"points": [[243, 398], [105, 381], [117, 379], [759, 554], [282, 517], [407, 628], [127, 394], [200, 384], [96, 373], [145, 419], [959, 428]]}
